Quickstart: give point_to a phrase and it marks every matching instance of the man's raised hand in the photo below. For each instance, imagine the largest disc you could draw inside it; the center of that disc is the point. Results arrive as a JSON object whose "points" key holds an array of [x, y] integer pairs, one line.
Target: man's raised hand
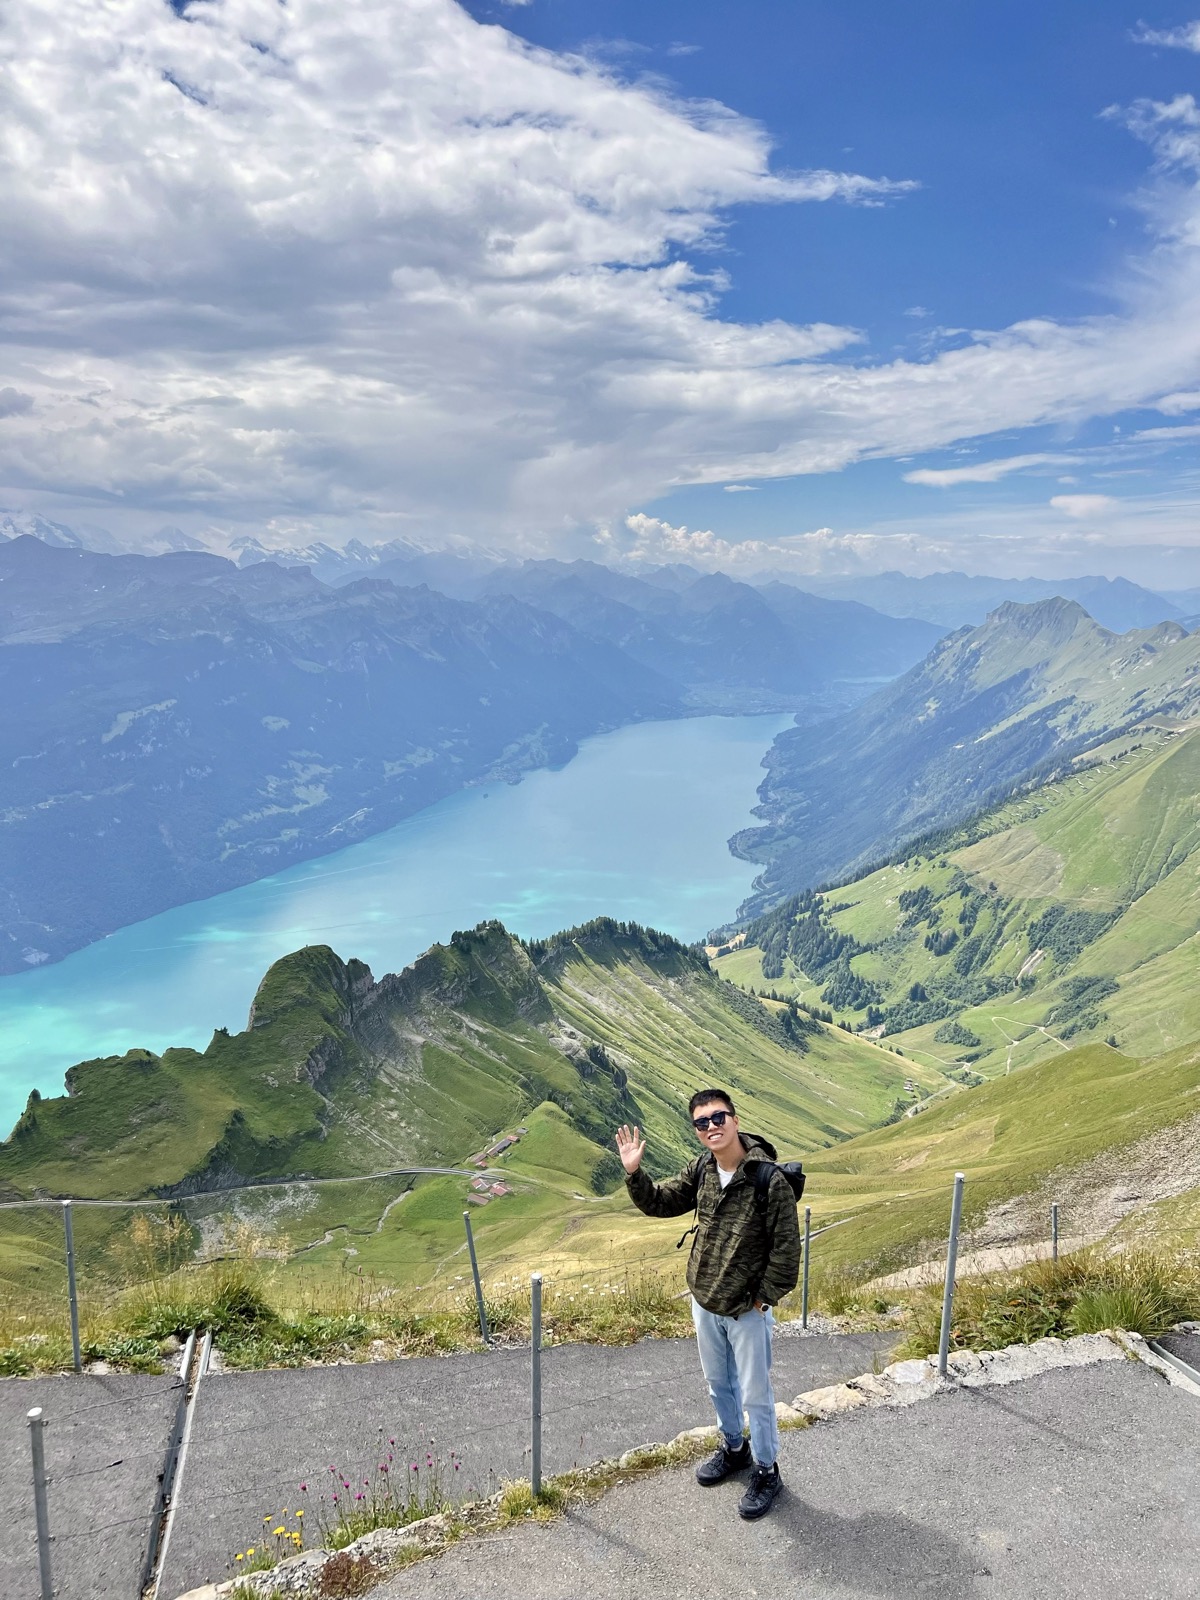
{"points": [[631, 1147]]}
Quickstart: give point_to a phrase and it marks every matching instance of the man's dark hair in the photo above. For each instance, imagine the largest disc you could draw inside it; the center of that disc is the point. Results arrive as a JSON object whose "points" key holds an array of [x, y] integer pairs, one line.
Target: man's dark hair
{"points": [[703, 1096]]}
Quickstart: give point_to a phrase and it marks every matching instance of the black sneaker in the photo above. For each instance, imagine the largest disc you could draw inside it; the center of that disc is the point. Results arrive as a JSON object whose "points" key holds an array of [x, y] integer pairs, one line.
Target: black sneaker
{"points": [[765, 1483], [723, 1463]]}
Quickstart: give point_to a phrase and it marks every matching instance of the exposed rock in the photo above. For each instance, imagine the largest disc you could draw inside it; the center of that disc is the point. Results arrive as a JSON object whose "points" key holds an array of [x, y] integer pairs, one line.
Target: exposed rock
{"points": [[827, 1401]]}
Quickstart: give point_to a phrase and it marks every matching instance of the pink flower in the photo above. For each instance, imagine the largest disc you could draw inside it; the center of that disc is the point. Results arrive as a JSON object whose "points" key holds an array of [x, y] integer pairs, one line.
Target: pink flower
{"points": [[303, 1488]]}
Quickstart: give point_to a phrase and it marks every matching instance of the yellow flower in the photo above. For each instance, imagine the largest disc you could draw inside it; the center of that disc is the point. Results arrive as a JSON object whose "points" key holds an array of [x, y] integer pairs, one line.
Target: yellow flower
{"points": [[238, 1558], [277, 1531], [297, 1513], [250, 1552]]}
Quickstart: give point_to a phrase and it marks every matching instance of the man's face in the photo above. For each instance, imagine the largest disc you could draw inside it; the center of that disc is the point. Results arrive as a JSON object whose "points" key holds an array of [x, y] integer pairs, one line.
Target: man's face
{"points": [[722, 1139]]}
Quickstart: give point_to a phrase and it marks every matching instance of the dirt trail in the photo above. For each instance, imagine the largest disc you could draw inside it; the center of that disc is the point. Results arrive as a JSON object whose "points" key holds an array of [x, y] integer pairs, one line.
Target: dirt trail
{"points": [[1092, 1199]]}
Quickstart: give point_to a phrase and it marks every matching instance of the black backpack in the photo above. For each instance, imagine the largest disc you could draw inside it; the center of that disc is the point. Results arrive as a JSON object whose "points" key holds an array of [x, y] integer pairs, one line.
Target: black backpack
{"points": [[793, 1171]]}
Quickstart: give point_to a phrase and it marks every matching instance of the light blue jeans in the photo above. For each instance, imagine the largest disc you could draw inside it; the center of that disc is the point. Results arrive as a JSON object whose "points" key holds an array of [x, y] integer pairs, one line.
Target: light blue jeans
{"points": [[735, 1353]]}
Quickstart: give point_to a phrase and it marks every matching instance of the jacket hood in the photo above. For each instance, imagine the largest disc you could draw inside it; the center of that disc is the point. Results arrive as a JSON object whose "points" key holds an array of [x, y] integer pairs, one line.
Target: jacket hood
{"points": [[757, 1149]]}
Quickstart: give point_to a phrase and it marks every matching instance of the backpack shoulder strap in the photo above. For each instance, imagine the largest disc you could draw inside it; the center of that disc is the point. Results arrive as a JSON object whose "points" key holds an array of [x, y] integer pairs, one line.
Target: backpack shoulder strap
{"points": [[706, 1159], [762, 1184]]}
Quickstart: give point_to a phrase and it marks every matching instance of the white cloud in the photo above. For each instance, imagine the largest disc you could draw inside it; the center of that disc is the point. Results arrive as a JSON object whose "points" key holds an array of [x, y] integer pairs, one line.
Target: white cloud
{"points": [[650, 541], [1083, 505], [740, 488], [1176, 405], [379, 267], [1188, 430], [983, 471], [1185, 38]]}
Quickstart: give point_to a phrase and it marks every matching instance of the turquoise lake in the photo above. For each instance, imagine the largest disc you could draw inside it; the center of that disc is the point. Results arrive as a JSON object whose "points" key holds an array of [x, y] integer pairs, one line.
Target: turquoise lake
{"points": [[635, 827]]}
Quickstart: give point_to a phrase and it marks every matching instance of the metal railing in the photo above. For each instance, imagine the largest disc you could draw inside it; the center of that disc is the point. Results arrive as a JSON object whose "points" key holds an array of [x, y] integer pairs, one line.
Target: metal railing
{"points": [[528, 1419]]}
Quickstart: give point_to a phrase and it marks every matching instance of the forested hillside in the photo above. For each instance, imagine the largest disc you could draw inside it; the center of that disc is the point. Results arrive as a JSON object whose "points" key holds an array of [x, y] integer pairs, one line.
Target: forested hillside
{"points": [[1071, 913]]}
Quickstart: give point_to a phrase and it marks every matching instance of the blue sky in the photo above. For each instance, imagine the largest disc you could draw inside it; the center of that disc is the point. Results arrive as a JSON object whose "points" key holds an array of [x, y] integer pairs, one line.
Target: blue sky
{"points": [[782, 285], [1029, 205]]}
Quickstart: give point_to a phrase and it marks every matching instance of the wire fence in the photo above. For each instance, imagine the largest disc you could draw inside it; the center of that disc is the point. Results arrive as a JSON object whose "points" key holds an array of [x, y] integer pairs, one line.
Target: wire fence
{"points": [[107, 1458]]}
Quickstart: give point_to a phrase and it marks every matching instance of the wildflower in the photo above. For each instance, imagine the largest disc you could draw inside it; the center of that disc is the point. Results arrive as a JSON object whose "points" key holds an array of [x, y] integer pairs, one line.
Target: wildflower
{"points": [[278, 1531], [303, 1490], [249, 1552], [238, 1558], [299, 1513]]}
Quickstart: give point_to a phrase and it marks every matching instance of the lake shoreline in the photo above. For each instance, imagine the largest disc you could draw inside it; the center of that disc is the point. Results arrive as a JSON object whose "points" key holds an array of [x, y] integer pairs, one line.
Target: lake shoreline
{"points": [[603, 834]]}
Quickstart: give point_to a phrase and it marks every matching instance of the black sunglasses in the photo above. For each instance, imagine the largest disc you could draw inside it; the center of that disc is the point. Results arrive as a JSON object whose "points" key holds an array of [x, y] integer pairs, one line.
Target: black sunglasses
{"points": [[715, 1119]]}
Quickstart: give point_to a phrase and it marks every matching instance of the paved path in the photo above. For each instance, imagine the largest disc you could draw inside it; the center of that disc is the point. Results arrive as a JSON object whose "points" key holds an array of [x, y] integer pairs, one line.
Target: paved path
{"points": [[257, 1435], [1184, 1345], [1076, 1485], [106, 1440]]}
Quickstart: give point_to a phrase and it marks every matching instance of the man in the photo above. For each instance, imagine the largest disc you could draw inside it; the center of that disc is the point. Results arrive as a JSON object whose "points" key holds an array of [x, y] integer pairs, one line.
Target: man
{"points": [[744, 1260]]}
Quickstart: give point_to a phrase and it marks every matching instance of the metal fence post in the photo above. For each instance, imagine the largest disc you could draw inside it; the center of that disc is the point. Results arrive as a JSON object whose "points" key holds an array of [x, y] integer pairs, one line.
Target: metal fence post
{"points": [[69, 1230], [483, 1327], [535, 1465], [804, 1285], [1054, 1231], [37, 1450], [951, 1265]]}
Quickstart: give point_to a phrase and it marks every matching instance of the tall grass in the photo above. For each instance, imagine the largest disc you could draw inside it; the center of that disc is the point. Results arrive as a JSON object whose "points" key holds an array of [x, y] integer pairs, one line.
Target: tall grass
{"points": [[1140, 1290], [264, 1317]]}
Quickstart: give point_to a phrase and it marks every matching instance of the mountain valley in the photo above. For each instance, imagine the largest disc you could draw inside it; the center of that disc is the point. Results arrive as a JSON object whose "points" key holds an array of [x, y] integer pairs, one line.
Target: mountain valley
{"points": [[176, 725]]}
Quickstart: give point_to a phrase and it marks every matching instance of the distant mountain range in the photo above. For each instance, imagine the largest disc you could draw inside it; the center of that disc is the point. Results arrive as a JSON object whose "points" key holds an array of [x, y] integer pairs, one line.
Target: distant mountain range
{"points": [[952, 599], [946, 599], [728, 645], [175, 725], [990, 709]]}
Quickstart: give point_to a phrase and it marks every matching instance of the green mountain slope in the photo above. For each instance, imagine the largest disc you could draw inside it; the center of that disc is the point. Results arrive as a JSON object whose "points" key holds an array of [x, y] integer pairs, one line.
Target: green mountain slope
{"points": [[1088, 1129], [988, 711], [338, 1074], [1071, 913]]}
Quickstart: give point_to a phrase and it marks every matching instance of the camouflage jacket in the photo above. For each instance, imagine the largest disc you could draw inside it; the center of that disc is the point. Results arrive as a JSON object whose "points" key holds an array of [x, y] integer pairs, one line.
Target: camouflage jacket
{"points": [[738, 1254]]}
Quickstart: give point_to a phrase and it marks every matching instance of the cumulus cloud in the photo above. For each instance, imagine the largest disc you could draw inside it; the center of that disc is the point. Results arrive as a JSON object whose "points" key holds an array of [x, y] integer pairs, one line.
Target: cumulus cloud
{"points": [[382, 266], [1082, 505], [651, 541], [1186, 37], [982, 471]]}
